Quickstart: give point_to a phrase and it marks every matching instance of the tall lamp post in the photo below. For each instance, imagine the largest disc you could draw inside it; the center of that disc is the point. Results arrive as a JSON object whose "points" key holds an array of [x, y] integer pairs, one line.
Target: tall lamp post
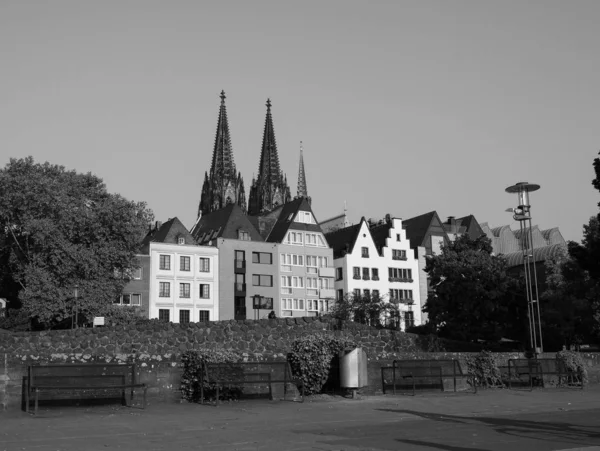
{"points": [[523, 215]]}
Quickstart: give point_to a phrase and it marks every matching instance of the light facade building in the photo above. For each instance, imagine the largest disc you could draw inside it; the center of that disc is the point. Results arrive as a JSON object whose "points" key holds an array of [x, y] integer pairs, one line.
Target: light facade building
{"points": [[375, 259]]}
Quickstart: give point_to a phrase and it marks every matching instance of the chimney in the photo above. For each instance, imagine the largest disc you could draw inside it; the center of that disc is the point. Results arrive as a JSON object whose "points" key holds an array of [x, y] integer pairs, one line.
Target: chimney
{"points": [[388, 218], [451, 220], [158, 225]]}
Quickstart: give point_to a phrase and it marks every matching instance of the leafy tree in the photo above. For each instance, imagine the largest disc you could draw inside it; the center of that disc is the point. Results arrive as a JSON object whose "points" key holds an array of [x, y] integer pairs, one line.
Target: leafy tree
{"points": [[472, 295], [568, 316], [60, 229], [370, 309]]}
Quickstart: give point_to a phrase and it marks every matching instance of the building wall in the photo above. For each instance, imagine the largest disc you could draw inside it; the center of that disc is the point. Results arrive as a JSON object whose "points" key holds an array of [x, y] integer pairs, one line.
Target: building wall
{"points": [[141, 286], [175, 276], [382, 263], [227, 278], [314, 300]]}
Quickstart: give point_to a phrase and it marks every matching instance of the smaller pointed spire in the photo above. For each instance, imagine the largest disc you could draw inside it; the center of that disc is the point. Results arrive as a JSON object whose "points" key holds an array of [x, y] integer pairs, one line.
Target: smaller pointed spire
{"points": [[223, 97], [268, 105], [302, 190]]}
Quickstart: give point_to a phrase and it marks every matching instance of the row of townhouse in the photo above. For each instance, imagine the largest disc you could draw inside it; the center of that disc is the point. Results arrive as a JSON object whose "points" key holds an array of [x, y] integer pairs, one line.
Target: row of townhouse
{"points": [[235, 266]]}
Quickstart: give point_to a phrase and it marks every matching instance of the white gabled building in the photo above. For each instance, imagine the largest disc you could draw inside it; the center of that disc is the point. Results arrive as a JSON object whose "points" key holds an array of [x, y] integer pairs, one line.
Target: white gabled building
{"points": [[184, 276], [376, 258]]}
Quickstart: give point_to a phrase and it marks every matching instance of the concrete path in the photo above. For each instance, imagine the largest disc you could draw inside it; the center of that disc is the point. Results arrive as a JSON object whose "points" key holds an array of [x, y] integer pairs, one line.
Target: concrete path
{"points": [[490, 420]]}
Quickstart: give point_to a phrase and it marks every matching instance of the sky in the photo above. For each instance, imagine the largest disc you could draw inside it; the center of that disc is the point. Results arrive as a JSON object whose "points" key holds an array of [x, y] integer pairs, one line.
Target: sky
{"points": [[403, 107]]}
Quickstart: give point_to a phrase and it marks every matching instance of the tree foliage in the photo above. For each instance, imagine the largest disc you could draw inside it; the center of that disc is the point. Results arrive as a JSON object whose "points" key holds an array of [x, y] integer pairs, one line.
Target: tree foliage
{"points": [[60, 229], [472, 296], [371, 309]]}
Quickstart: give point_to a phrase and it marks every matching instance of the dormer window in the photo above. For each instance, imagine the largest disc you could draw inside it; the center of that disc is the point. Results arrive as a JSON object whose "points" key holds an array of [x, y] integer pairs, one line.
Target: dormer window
{"points": [[243, 235], [181, 240]]}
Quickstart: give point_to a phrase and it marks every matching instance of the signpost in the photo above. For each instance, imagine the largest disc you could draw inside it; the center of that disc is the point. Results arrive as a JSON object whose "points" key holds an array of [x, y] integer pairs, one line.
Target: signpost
{"points": [[261, 303]]}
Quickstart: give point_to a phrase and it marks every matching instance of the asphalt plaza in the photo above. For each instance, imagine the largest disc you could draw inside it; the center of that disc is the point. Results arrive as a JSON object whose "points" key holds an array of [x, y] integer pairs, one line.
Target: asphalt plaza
{"points": [[552, 419]]}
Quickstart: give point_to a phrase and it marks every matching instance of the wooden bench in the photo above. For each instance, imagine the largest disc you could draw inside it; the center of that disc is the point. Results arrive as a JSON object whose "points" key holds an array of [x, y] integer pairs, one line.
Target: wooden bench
{"points": [[535, 370], [219, 376], [81, 377], [424, 374]]}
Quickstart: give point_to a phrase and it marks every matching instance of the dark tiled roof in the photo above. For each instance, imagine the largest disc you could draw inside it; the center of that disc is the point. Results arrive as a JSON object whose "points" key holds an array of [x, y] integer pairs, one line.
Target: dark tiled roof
{"points": [[416, 228], [473, 229], [169, 232], [224, 223], [282, 224], [342, 240], [380, 234]]}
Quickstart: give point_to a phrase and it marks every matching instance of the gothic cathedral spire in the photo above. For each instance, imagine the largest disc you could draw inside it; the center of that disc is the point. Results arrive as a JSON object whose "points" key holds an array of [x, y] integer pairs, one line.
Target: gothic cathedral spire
{"points": [[302, 190], [270, 189], [223, 185]]}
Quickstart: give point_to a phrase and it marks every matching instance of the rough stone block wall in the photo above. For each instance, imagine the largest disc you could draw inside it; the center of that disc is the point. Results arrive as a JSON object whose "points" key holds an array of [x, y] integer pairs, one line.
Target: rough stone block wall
{"points": [[156, 349]]}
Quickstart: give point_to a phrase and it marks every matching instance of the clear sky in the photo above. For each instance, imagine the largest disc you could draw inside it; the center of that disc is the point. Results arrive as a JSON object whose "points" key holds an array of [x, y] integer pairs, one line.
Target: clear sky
{"points": [[403, 106]]}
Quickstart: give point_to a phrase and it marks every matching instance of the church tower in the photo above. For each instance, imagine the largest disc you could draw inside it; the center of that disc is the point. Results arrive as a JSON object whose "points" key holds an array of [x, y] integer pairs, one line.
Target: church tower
{"points": [[270, 189], [302, 190], [224, 185]]}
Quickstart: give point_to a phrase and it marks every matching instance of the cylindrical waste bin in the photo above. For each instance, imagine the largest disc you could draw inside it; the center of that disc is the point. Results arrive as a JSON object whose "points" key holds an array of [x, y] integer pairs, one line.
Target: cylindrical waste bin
{"points": [[353, 368]]}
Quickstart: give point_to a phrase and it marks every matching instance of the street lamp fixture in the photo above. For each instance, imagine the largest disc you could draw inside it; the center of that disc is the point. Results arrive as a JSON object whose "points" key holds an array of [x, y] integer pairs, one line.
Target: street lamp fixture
{"points": [[75, 294], [522, 214]]}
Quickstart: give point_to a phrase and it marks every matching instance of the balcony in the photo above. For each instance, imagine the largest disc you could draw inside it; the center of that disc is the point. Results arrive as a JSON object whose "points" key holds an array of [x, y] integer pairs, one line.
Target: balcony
{"points": [[399, 257], [239, 289], [375, 278], [240, 266], [400, 279], [327, 271], [325, 293], [356, 277]]}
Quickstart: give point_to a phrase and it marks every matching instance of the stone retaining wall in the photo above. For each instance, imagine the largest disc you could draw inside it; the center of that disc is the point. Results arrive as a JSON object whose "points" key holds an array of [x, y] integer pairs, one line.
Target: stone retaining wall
{"points": [[156, 349]]}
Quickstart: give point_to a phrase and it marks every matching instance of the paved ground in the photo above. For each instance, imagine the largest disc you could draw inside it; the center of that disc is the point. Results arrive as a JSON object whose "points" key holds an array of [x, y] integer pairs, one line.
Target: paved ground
{"points": [[489, 420]]}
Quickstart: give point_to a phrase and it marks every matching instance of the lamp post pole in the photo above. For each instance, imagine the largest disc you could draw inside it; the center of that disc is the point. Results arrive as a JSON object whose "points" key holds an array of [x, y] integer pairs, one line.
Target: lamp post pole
{"points": [[523, 214]]}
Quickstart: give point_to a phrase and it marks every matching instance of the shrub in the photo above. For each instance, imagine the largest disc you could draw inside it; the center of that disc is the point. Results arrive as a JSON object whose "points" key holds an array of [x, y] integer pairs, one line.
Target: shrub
{"points": [[575, 363], [191, 377], [311, 358], [15, 320], [483, 368]]}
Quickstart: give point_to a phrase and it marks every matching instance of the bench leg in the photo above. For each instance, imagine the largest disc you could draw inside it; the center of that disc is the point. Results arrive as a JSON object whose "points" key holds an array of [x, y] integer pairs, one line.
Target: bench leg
{"points": [[27, 400], [37, 392], [144, 403]]}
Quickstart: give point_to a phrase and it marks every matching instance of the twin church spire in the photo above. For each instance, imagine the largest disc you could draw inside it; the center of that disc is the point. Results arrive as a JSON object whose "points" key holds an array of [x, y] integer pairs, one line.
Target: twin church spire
{"points": [[224, 185]]}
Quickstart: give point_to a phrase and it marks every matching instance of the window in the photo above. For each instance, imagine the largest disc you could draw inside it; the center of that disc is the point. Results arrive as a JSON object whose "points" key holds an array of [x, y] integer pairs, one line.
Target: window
{"points": [[298, 282], [205, 289], [311, 264], [375, 294], [409, 319], [294, 238], [262, 280], [264, 258], [402, 295], [398, 254], [364, 252], [184, 290], [164, 289], [365, 274], [286, 284], [356, 273], [164, 262], [323, 262], [325, 282], [397, 237], [163, 314], [375, 272], [339, 273], [184, 316], [312, 305], [240, 259], [181, 240], [367, 293], [292, 304], [243, 235], [311, 239], [137, 274], [357, 292], [304, 217], [286, 304], [400, 275], [312, 286], [298, 304], [129, 299], [204, 316], [340, 295], [204, 264], [289, 260], [184, 263]]}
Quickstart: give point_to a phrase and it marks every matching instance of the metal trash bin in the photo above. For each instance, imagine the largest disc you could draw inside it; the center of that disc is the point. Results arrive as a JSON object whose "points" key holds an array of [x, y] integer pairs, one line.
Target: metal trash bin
{"points": [[353, 369]]}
